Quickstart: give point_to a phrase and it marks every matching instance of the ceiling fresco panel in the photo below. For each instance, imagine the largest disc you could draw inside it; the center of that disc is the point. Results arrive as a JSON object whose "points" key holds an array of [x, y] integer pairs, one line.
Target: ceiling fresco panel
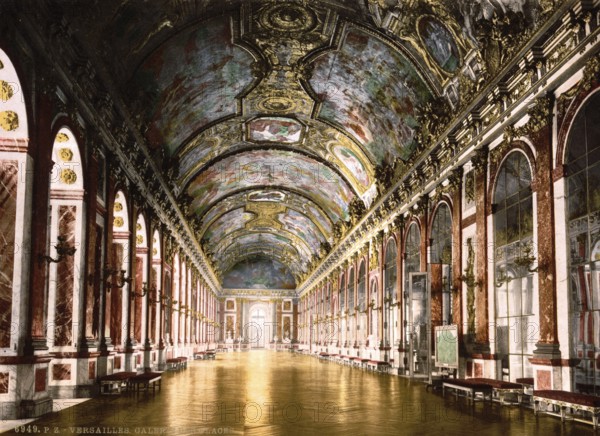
{"points": [[259, 273], [375, 105], [272, 168], [194, 79]]}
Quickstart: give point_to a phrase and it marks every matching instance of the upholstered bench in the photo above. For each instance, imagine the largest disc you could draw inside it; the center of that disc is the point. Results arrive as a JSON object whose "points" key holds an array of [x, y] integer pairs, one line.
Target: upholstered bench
{"points": [[144, 381], [469, 386], [378, 365], [177, 363], [112, 383], [579, 405], [502, 388]]}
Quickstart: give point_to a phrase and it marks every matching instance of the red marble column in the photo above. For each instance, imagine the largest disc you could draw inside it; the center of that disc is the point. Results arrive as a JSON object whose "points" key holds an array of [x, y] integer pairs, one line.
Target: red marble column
{"points": [[137, 300], [93, 268], [543, 185], [114, 310], [9, 178], [457, 308], [481, 290], [152, 306], [65, 276]]}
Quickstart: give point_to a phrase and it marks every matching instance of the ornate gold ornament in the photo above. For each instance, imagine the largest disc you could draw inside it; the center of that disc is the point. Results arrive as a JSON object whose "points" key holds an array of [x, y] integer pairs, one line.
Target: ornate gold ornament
{"points": [[9, 120], [68, 176], [118, 206], [118, 222], [139, 240], [62, 137], [65, 154], [6, 91]]}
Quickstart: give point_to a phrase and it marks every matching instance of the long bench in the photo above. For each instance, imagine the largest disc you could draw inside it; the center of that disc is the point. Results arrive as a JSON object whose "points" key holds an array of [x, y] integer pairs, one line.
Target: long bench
{"points": [[378, 365], [112, 383], [205, 355], [470, 387], [497, 389], [144, 381], [177, 363], [501, 388], [578, 404]]}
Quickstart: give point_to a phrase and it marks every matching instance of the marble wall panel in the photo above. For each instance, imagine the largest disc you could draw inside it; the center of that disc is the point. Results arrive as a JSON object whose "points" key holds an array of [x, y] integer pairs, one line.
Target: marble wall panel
{"points": [[41, 376], [4, 377], [92, 370], [61, 371], [65, 277], [8, 205]]}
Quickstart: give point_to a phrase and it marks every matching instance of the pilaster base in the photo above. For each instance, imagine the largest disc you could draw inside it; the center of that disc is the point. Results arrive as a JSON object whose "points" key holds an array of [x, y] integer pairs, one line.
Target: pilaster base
{"points": [[547, 367]]}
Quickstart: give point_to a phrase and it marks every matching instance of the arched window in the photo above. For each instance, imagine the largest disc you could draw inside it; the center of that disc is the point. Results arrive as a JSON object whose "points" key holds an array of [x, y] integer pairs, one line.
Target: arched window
{"points": [[415, 304], [390, 296], [351, 291], [66, 224], [141, 277], [583, 213], [362, 287], [441, 258], [516, 333], [118, 260], [14, 183]]}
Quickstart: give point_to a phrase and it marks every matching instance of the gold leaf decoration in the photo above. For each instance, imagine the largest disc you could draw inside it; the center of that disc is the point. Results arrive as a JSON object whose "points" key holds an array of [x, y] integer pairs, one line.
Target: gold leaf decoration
{"points": [[139, 239], [6, 91], [62, 137], [68, 176], [9, 120], [65, 154], [118, 222], [118, 207]]}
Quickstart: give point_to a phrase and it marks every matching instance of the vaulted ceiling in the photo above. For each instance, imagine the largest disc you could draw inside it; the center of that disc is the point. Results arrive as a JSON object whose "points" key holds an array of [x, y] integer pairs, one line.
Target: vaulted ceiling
{"points": [[270, 119]]}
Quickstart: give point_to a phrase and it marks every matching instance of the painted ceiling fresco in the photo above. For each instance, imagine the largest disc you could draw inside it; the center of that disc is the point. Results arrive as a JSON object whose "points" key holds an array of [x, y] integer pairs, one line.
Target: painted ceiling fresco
{"points": [[259, 272], [275, 129], [375, 105], [277, 168], [268, 118], [193, 80]]}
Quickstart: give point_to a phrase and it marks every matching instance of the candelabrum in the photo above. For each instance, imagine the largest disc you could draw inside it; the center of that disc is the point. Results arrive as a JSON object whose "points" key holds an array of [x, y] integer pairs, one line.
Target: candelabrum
{"points": [[120, 279], [62, 249]]}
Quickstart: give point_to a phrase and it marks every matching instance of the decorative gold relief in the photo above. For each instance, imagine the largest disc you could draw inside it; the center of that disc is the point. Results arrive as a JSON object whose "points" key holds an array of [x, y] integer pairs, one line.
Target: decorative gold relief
{"points": [[62, 137], [68, 176], [118, 222], [6, 91], [118, 207], [277, 103], [9, 120], [287, 17], [138, 227], [139, 240], [65, 154], [154, 252]]}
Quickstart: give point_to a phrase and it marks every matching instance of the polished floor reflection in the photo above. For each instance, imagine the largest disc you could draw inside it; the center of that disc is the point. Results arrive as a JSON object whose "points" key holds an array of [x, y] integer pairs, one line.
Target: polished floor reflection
{"points": [[269, 393]]}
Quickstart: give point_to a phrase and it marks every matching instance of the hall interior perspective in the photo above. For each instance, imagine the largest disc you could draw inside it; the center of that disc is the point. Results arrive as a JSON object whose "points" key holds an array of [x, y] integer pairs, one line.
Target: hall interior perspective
{"points": [[384, 211]]}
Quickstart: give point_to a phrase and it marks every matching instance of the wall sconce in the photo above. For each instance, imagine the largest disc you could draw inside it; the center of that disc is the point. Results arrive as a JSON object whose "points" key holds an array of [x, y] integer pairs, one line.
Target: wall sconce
{"points": [[502, 278], [469, 280], [526, 260], [158, 294], [120, 276], [62, 249]]}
